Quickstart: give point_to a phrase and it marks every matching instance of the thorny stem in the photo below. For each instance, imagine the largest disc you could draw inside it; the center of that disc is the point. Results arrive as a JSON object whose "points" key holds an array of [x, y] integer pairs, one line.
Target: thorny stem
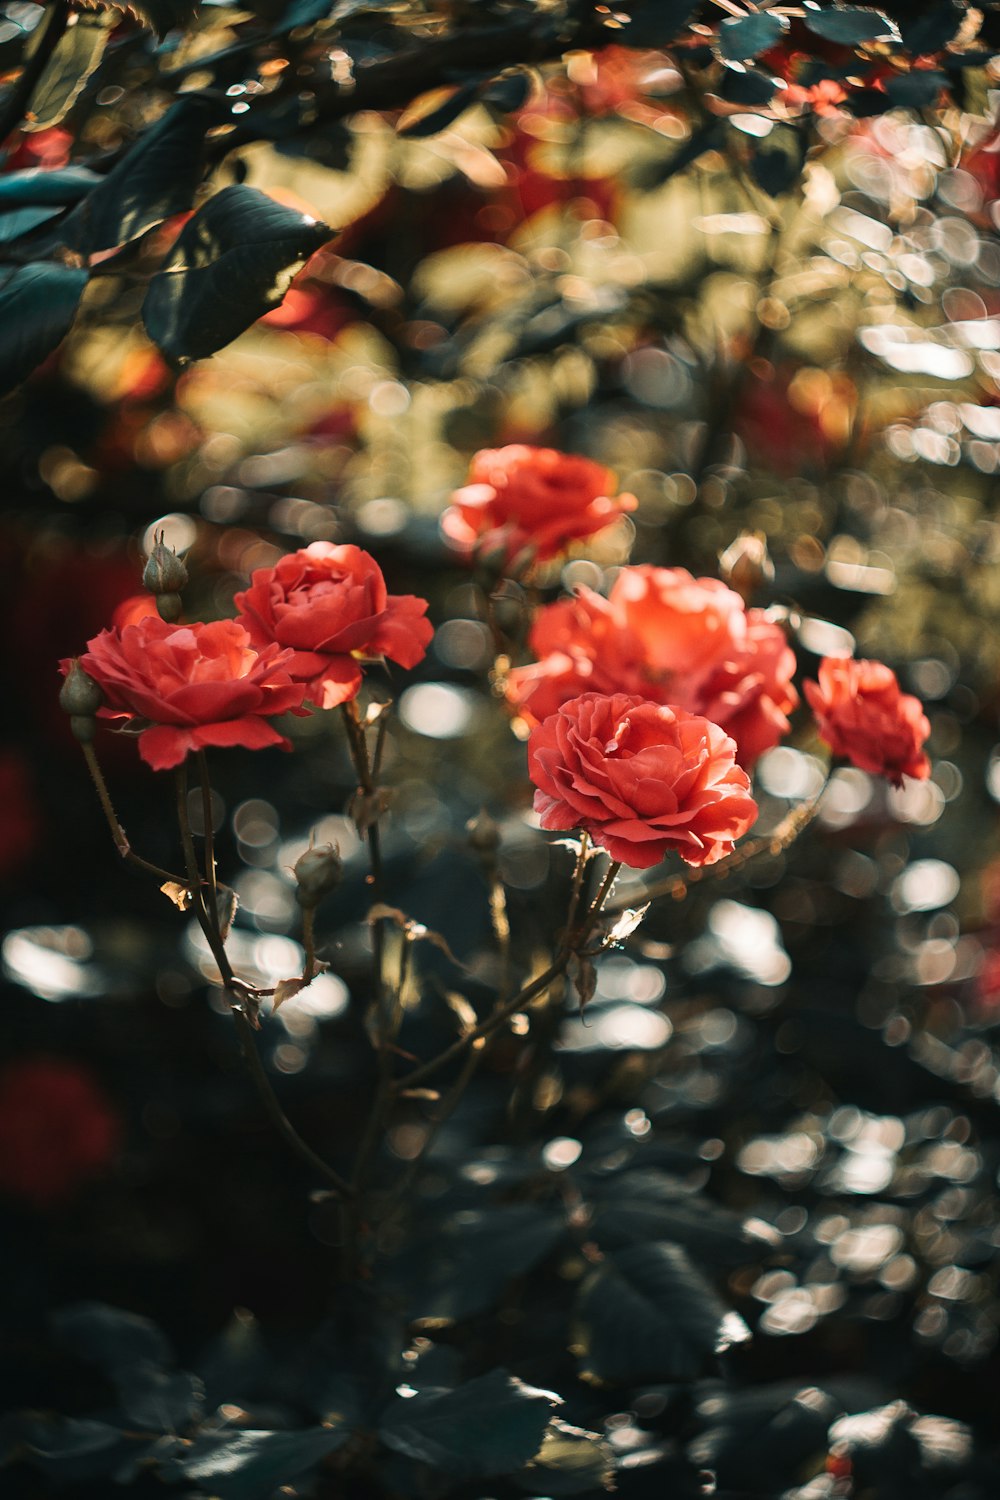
{"points": [[118, 833], [529, 992], [786, 832], [309, 942], [208, 920]]}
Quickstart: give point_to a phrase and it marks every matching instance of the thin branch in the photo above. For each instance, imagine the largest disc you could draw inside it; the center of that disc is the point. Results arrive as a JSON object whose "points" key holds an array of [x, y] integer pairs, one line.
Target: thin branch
{"points": [[118, 833], [208, 920]]}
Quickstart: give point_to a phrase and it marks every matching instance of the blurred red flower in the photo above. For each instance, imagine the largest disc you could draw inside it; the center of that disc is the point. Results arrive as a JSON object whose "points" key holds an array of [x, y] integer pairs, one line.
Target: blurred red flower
{"points": [[58, 1129], [862, 715], [330, 605], [520, 498], [192, 685], [669, 637], [640, 778]]}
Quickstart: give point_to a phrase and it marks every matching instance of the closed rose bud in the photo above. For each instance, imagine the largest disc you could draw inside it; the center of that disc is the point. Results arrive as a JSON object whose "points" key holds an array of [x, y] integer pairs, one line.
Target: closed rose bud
{"points": [[164, 572], [84, 727], [746, 564], [317, 872], [484, 835], [79, 694], [169, 606]]}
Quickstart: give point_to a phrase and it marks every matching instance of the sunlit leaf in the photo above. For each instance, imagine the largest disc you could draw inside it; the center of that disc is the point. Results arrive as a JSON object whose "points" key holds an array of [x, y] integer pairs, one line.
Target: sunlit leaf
{"points": [[744, 37], [250, 1465], [76, 55], [232, 261], [569, 1462], [850, 25], [492, 1425]]}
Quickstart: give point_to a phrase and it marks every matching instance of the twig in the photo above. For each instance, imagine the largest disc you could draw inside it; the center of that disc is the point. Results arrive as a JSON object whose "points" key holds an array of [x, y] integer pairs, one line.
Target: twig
{"points": [[208, 920], [118, 833]]}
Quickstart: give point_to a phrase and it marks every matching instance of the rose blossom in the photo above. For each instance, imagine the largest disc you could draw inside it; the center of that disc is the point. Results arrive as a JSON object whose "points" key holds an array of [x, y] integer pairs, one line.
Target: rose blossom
{"points": [[640, 778], [194, 685], [330, 605], [863, 716], [671, 638], [519, 497]]}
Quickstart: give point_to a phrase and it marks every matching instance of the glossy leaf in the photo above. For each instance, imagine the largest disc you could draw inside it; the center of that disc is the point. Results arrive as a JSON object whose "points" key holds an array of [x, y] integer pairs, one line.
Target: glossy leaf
{"points": [[76, 55], [36, 186], [37, 306], [647, 1314], [233, 260], [492, 1425], [850, 25], [156, 179], [22, 221], [249, 1465], [110, 1337], [743, 37], [165, 15], [569, 1462], [641, 1205]]}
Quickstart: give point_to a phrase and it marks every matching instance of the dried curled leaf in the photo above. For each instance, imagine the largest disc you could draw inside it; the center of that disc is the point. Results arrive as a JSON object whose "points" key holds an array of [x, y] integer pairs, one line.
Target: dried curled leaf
{"points": [[177, 893], [626, 924], [414, 932], [287, 989], [584, 977]]}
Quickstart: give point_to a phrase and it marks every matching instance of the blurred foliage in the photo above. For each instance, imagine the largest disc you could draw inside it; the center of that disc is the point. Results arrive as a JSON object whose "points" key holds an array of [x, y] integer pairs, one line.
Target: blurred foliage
{"points": [[748, 257]]}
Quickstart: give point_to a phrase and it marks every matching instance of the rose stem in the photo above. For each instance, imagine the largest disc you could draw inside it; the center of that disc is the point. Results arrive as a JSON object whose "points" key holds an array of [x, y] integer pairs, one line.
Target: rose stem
{"points": [[309, 942], [208, 921], [117, 831], [510, 1007], [208, 834]]}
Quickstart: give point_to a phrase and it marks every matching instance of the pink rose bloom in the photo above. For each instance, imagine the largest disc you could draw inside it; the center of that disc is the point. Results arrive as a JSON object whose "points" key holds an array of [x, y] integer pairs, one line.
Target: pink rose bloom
{"points": [[329, 604], [641, 778], [192, 685], [863, 716], [521, 497]]}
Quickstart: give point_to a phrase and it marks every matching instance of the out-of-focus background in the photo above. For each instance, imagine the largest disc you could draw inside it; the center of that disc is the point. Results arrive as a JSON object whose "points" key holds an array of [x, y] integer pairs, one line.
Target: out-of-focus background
{"points": [[758, 326]]}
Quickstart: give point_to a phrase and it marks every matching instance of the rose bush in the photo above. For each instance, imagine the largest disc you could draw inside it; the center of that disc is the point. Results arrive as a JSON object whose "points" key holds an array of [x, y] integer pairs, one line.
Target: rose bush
{"points": [[671, 638], [520, 497], [862, 715], [330, 606], [640, 778], [192, 685]]}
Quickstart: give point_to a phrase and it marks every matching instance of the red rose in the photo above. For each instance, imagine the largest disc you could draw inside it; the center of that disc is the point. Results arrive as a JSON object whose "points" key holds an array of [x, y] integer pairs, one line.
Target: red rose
{"points": [[519, 497], [640, 778], [862, 715], [195, 685], [57, 1129], [671, 638], [330, 605]]}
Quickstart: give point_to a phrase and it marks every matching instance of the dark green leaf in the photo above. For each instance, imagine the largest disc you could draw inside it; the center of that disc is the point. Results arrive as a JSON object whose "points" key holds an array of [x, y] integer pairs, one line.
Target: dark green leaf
{"points": [[569, 1462], [23, 221], [159, 1400], [36, 186], [249, 1465], [510, 91], [647, 1314], [110, 1337], [850, 25], [154, 180], [660, 23], [37, 306], [743, 37], [65, 1448], [439, 119], [492, 1425], [462, 1266], [751, 88], [917, 89], [775, 1430], [355, 1360], [233, 260], [646, 1205], [930, 32], [776, 161]]}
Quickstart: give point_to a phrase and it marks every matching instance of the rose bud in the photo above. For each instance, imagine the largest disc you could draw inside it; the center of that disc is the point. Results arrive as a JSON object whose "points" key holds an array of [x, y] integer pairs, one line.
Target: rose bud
{"points": [[746, 564], [169, 607], [484, 835], [79, 695], [317, 872], [164, 572]]}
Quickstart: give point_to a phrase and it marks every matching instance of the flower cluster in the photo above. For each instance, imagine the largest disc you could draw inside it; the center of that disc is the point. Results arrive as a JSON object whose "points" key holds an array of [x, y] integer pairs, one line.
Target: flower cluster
{"points": [[303, 631], [674, 639]]}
